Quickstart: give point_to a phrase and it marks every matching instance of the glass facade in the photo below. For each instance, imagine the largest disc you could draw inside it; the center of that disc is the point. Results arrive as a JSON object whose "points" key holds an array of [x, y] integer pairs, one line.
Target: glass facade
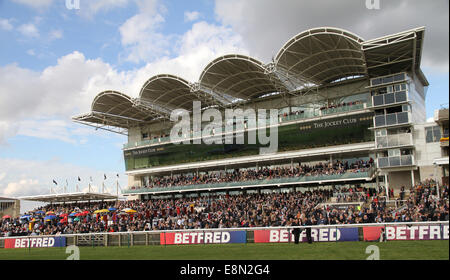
{"points": [[314, 134]]}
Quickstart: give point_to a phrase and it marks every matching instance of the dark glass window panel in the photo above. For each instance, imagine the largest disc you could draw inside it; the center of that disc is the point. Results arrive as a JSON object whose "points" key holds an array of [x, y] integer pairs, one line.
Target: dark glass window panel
{"points": [[378, 100], [389, 98], [400, 96]]}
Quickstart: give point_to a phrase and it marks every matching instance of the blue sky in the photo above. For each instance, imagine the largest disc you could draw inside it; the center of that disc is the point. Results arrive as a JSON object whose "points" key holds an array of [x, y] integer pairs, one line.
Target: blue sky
{"points": [[53, 61]]}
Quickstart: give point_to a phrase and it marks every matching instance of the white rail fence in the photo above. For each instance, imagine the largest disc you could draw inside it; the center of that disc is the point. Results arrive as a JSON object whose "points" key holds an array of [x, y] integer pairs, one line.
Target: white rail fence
{"points": [[319, 233]]}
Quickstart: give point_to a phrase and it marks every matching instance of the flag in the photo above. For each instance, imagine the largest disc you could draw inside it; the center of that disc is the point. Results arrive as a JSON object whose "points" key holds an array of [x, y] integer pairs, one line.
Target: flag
{"points": [[79, 180], [105, 176], [117, 175], [54, 182]]}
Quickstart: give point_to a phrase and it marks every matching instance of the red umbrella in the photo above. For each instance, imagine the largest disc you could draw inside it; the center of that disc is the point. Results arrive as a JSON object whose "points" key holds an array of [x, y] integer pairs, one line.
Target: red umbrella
{"points": [[6, 217], [79, 214], [63, 215]]}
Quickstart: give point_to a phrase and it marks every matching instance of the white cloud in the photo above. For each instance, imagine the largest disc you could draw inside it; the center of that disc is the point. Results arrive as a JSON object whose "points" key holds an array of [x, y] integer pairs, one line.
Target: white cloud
{"points": [[31, 177], [89, 9], [265, 25], [22, 187], [31, 52], [5, 24], [42, 103], [140, 36], [35, 3], [29, 30], [191, 16], [55, 34]]}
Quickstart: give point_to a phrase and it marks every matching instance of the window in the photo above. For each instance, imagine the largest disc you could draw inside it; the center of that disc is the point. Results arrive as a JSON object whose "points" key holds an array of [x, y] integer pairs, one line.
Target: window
{"points": [[399, 77], [387, 80], [432, 134], [400, 87], [394, 153], [381, 132], [144, 135], [376, 82]]}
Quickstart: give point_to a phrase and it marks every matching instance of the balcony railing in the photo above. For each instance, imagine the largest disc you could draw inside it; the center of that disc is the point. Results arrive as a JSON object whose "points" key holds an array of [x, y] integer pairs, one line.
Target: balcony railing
{"points": [[291, 180], [397, 161], [392, 119], [397, 140], [389, 99], [304, 116]]}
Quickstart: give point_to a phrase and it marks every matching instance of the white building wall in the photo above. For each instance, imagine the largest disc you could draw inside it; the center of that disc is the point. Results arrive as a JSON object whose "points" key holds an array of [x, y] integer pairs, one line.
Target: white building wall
{"points": [[426, 153]]}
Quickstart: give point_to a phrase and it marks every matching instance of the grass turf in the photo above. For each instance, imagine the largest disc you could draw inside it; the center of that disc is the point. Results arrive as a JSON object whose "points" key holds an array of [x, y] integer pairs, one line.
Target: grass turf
{"points": [[394, 250]]}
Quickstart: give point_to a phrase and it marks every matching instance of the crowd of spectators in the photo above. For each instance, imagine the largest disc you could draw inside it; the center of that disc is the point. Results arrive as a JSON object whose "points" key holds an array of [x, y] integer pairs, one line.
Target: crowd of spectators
{"points": [[228, 211], [344, 104], [330, 106], [332, 168]]}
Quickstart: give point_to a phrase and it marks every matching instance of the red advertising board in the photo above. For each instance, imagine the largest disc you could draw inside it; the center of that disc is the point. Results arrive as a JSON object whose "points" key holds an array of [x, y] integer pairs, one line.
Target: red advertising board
{"points": [[423, 232]]}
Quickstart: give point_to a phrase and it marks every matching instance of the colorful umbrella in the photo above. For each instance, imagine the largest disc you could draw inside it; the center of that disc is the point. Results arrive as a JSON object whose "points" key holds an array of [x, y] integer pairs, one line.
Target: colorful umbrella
{"points": [[50, 213], [101, 211], [77, 219], [25, 217], [51, 217], [40, 212], [72, 214], [112, 209], [128, 210]]}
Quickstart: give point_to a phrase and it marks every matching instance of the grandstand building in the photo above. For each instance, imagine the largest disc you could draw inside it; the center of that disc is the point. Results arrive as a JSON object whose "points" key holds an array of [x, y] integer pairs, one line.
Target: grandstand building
{"points": [[9, 206], [340, 99]]}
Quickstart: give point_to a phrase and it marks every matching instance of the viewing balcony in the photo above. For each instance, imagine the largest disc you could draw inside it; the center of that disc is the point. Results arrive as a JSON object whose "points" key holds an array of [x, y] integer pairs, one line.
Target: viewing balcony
{"points": [[389, 99], [394, 119], [396, 161], [349, 176], [281, 120], [393, 141]]}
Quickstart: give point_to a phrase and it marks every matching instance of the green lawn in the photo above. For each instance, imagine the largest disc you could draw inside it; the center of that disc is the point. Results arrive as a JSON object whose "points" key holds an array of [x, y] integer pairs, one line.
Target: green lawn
{"points": [[394, 250]]}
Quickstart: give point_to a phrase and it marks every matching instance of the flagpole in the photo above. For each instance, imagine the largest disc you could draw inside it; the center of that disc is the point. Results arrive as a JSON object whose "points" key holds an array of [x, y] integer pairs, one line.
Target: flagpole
{"points": [[90, 181], [117, 188]]}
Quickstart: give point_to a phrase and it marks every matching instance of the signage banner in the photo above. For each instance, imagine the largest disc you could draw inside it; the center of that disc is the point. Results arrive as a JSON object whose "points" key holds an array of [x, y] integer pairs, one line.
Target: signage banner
{"points": [[432, 232], [317, 234], [211, 237], [35, 242], [337, 122]]}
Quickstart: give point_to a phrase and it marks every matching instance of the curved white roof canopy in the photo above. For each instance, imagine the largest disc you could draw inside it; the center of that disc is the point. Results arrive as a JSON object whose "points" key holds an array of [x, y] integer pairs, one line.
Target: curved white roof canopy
{"points": [[314, 57], [169, 92], [322, 55], [238, 76], [114, 109]]}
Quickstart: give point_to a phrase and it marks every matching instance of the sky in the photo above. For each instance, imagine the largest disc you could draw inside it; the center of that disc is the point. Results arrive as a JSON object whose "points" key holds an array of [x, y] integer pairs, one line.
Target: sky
{"points": [[55, 58]]}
